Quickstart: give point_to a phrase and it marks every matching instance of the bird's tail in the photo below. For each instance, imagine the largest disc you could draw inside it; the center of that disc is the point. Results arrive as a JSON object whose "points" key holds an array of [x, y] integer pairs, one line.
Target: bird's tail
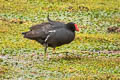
{"points": [[28, 35], [23, 33]]}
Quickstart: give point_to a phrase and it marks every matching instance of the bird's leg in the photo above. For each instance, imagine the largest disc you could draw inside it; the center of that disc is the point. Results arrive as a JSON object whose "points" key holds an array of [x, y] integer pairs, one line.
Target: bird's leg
{"points": [[46, 46], [53, 50]]}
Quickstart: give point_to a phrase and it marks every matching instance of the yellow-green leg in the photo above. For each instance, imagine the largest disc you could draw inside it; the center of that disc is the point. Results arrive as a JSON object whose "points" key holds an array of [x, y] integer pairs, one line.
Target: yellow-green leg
{"points": [[46, 46], [54, 50]]}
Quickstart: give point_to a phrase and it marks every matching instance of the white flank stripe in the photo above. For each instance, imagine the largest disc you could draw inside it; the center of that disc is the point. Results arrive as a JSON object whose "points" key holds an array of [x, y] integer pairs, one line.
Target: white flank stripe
{"points": [[52, 31]]}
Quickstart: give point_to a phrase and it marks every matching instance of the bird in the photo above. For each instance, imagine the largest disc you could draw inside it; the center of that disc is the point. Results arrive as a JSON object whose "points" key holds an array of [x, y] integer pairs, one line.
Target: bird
{"points": [[52, 33]]}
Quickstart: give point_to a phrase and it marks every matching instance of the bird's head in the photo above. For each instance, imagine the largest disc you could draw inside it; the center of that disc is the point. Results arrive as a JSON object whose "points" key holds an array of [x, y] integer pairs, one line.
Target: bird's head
{"points": [[72, 26]]}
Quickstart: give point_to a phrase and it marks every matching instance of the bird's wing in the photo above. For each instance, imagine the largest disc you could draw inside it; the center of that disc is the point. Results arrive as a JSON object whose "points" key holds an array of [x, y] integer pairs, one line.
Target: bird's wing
{"points": [[34, 34], [46, 25], [38, 31]]}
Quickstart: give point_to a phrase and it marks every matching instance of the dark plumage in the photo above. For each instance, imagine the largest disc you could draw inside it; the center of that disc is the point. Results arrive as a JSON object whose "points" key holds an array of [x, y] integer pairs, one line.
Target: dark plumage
{"points": [[52, 33]]}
